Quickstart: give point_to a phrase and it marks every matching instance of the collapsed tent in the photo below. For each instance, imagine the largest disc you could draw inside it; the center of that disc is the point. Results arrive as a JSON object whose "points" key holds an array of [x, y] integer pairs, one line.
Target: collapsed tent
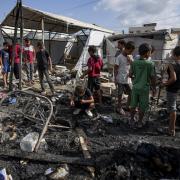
{"points": [[32, 19], [50, 27]]}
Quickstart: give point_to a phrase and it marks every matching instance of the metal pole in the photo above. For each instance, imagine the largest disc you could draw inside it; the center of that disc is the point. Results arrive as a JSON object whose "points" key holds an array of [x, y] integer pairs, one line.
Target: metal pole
{"points": [[67, 28], [42, 27], [50, 43], [14, 46], [21, 42]]}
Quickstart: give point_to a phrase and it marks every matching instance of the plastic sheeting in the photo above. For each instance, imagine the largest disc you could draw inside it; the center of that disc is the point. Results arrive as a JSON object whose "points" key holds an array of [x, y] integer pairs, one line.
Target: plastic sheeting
{"points": [[96, 39]]}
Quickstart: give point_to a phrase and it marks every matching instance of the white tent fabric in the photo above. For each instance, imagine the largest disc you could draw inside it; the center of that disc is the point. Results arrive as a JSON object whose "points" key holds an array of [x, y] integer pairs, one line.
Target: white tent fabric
{"points": [[111, 51], [95, 38], [54, 23]]}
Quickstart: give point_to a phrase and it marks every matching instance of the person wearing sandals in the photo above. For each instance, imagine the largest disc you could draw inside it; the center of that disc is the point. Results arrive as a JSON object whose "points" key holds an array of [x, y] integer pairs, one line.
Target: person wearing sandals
{"points": [[143, 74], [121, 74], [173, 86]]}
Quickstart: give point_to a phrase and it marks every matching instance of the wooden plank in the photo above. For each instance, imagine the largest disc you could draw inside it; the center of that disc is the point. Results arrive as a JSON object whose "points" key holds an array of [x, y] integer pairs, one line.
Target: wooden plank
{"points": [[86, 153], [44, 157]]}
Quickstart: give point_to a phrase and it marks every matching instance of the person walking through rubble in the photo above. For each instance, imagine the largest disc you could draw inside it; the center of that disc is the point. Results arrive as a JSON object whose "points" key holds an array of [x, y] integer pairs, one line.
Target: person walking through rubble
{"points": [[121, 45], [173, 87], [5, 63], [121, 74], [29, 58], [143, 73], [82, 100], [95, 65], [43, 63]]}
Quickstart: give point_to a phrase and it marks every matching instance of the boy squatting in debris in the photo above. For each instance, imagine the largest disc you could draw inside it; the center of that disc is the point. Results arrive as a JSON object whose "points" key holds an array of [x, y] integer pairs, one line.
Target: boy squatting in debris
{"points": [[29, 55], [173, 86], [82, 100], [121, 74], [43, 63], [143, 73], [5, 62]]}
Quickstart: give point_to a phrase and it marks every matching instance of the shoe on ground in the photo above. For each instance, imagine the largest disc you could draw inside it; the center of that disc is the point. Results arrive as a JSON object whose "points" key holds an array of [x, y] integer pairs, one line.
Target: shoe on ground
{"points": [[172, 133], [121, 111], [89, 113], [132, 123], [76, 111], [43, 93]]}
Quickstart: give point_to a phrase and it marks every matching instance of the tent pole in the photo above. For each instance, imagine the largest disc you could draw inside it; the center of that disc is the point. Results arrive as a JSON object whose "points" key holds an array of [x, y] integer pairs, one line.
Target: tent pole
{"points": [[67, 28], [50, 43], [21, 42], [42, 26], [14, 46]]}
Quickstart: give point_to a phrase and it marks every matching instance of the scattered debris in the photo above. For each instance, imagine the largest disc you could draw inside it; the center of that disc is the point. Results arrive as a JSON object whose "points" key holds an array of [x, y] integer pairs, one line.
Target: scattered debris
{"points": [[29, 142]]}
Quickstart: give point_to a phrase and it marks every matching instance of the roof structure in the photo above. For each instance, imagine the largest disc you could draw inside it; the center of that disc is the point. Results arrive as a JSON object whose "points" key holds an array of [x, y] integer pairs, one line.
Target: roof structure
{"points": [[52, 22], [122, 36]]}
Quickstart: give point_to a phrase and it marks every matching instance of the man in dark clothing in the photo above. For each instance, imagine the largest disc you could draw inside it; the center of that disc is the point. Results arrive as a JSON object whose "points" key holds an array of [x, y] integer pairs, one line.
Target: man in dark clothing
{"points": [[43, 63]]}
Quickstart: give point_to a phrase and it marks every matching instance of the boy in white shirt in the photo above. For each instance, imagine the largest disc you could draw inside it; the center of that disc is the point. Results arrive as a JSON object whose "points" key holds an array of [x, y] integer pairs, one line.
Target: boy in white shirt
{"points": [[121, 74]]}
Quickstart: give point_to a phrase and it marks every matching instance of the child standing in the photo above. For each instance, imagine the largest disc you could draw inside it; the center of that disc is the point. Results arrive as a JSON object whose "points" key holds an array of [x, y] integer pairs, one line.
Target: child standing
{"points": [[121, 74], [16, 59], [173, 86], [43, 64], [5, 63], [95, 65], [143, 74], [29, 58], [82, 100]]}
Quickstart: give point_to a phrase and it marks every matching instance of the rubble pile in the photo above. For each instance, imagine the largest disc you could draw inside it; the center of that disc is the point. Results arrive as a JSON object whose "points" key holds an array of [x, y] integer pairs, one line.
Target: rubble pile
{"points": [[41, 139], [23, 113]]}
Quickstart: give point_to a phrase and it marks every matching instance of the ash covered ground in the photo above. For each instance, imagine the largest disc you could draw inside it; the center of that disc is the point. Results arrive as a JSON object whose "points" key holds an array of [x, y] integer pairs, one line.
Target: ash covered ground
{"points": [[117, 151]]}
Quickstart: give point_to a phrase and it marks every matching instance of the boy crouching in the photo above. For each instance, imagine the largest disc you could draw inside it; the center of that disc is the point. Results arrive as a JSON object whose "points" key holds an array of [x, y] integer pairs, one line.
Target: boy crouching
{"points": [[82, 100]]}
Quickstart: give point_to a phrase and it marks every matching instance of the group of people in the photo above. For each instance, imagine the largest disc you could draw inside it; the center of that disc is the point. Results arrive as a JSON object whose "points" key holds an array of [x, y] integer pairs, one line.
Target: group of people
{"points": [[30, 57], [83, 98], [135, 77]]}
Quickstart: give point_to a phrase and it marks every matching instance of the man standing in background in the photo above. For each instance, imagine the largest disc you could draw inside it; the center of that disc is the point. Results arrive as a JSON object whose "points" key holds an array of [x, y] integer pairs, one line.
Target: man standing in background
{"points": [[29, 58], [121, 45]]}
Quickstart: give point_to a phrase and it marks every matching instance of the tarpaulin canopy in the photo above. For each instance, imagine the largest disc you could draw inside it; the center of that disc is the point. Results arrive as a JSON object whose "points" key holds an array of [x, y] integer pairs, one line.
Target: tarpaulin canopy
{"points": [[54, 23]]}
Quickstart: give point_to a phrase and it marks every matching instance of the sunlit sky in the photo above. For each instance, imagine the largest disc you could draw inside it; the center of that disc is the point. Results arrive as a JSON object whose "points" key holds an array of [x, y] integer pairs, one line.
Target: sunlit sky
{"points": [[112, 14]]}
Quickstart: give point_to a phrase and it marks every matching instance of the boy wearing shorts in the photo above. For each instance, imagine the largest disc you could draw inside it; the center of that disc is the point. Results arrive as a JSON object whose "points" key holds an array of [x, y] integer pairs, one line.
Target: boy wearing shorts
{"points": [[143, 74], [121, 74], [173, 87]]}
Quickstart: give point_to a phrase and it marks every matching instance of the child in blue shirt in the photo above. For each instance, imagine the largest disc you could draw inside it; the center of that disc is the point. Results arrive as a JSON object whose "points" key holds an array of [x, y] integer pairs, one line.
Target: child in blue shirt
{"points": [[5, 62]]}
